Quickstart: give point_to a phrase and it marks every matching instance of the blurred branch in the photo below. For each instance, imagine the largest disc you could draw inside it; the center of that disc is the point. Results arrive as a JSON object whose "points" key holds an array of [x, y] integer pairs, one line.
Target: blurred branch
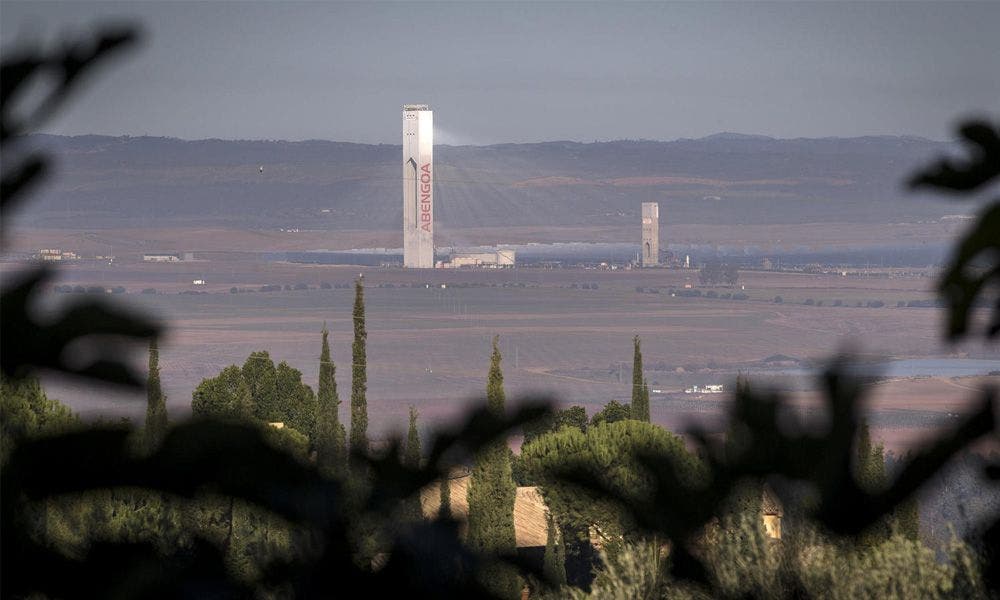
{"points": [[19, 180], [69, 66], [968, 276], [237, 461], [28, 343], [766, 445], [974, 269], [983, 163]]}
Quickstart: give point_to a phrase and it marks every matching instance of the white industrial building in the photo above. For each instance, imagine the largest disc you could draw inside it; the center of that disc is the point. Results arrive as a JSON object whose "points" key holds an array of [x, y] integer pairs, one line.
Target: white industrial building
{"points": [[161, 258], [418, 186], [489, 260]]}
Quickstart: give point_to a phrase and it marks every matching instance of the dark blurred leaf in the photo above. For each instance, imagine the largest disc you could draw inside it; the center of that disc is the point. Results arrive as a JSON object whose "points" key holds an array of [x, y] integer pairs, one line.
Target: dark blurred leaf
{"points": [[121, 571], [425, 559], [19, 180], [199, 457], [766, 446], [28, 343], [983, 163], [969, 276], [851, 510], [69, 67], [481, 428]]}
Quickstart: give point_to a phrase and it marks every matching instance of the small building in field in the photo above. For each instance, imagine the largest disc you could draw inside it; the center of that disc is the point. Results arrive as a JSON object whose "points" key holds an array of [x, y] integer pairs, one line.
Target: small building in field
{"points": [[715, 388], [161, 258]]}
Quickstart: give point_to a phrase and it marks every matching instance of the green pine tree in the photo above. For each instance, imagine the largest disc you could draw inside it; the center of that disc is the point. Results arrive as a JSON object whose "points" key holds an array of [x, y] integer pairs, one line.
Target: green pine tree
{"points": [[261, 378], [330, 435], [296, 402], [359, 373], [491, 495], [640, 391], [26, 411], [612, 412], [554, 566], [156, 402], [226, 396]]}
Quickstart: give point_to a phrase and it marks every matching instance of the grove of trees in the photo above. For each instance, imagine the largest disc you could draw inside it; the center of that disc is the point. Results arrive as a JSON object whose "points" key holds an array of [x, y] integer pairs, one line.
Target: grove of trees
{"points": [[717, 273]]}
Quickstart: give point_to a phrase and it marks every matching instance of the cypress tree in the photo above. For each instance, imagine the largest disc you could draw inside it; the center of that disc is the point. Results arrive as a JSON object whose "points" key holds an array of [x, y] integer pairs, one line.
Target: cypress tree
{"points": [[908, 517], [156, 402], [882, 530], [870, 474], [491, 495], [554, 566], [359, 373], [640, 391], [877, 467], [561, 561], [495, 397], [411, 458], [444, 510], [742, 382], [330, 435], [449, 566], [863, 469], [645, 400]]}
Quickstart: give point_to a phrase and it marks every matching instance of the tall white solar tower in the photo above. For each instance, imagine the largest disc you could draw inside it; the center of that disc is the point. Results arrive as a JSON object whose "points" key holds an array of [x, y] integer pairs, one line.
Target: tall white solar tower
{"points": [[650, 234], [418, 186]]}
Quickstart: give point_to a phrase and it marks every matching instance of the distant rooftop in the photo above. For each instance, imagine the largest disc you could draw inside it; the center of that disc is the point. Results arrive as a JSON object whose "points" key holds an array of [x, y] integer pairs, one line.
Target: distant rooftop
{"points": [[416, 107]]}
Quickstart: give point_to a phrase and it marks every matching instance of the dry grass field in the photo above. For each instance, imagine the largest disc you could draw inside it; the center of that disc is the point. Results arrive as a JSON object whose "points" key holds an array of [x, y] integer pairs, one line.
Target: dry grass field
{"points": [[429, 345]]}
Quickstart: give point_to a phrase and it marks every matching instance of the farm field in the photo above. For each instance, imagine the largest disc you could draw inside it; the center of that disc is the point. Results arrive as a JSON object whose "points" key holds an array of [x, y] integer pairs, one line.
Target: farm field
{"points": [[430, 331]]}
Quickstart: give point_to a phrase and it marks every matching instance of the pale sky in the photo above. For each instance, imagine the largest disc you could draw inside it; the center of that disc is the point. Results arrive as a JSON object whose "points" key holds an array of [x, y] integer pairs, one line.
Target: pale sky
{"points": [[520, 72]]}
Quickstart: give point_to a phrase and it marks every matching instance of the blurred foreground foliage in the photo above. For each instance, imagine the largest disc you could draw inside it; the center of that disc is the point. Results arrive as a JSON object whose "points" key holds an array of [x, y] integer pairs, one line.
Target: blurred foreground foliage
{"points": [[89, 337], [233, 509], [973, 273], [745, 563]]}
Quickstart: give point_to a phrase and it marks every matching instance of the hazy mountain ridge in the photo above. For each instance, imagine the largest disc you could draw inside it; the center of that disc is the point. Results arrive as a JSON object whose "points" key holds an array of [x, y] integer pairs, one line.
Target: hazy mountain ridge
{"points": [[725, 178]]}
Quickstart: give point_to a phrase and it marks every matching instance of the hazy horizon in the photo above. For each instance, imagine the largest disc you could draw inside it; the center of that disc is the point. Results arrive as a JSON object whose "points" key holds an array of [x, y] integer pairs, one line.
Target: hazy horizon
{"points": [[521, 73], [717, 135]]}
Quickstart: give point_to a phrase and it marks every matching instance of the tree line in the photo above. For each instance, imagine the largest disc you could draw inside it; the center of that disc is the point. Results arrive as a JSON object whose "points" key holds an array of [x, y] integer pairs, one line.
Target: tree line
{"points": [[716, 273], [594, 544]]}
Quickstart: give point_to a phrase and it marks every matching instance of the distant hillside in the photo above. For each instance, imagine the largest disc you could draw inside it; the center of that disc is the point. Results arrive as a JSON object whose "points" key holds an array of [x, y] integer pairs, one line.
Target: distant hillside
{"points": [[724, 178]]}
